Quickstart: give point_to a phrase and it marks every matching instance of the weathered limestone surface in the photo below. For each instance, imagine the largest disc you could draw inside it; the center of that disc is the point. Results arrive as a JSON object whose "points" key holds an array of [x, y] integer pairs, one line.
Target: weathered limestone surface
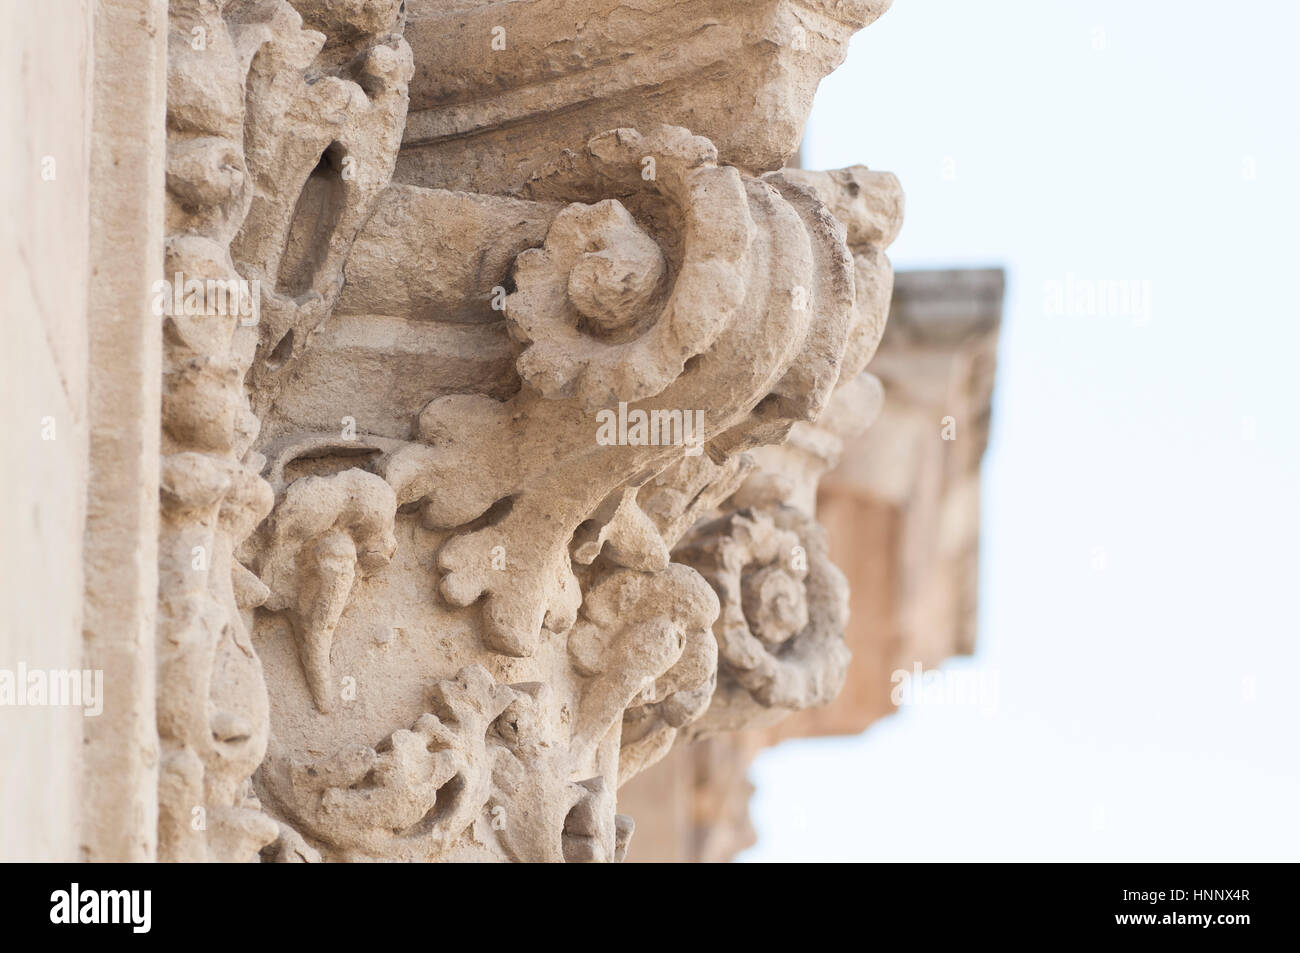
{"points": [[128, 162], [482, 360]]}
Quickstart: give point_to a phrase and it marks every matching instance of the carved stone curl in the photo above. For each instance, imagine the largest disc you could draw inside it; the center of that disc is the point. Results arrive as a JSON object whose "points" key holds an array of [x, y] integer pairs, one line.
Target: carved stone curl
{"points": [[592, 311]]}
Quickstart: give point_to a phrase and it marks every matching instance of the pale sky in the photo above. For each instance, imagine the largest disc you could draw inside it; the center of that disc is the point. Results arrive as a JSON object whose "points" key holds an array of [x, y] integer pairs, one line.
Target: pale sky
{"points": [[1145, 710]]}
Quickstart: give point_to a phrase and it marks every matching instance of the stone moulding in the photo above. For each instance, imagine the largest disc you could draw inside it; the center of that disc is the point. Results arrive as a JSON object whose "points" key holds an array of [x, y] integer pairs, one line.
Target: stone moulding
{"points": [[497, 82], [411, 607]]}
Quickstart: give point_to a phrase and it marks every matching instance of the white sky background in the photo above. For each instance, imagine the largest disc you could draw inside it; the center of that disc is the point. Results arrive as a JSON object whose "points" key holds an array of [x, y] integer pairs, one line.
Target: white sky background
{"points": [[1149, 710]]}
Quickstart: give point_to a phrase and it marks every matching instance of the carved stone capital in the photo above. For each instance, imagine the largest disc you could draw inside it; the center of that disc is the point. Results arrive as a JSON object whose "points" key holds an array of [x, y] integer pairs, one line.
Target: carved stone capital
{"points": [[497, 480]]}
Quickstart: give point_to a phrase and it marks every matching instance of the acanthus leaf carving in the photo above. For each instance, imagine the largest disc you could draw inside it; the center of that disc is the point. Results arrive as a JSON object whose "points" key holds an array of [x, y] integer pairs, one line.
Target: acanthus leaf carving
{"points": [[546, 611]]}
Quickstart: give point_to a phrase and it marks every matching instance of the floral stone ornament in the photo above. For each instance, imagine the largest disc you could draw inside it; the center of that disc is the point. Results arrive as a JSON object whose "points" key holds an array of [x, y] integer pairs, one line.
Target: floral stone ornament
{"points": [[439, 619]]}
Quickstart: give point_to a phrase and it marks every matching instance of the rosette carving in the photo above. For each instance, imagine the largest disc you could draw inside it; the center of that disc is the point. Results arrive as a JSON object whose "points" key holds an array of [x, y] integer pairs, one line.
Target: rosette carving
{"points": [[784, 606]]}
